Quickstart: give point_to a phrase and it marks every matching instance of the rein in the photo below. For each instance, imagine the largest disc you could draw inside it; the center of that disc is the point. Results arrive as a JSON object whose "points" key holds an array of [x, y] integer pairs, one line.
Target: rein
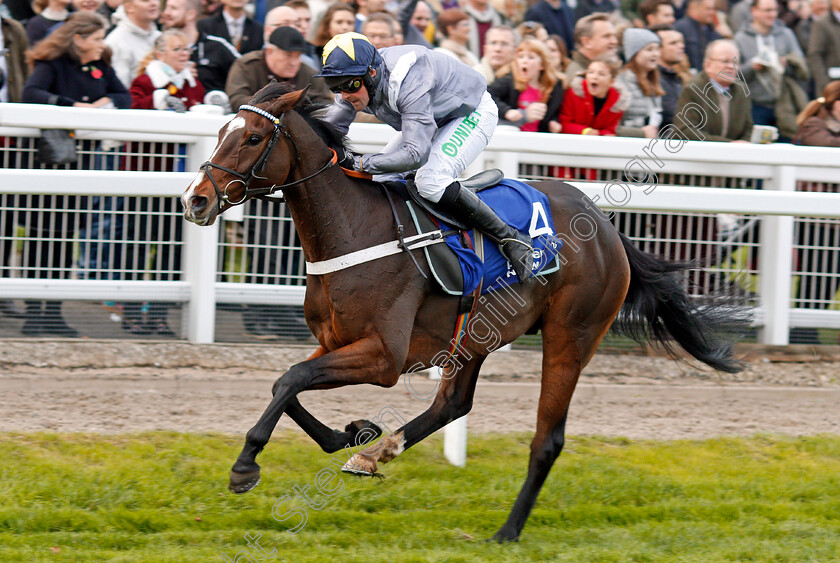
{"points": [[245, 179], [319, 268]]}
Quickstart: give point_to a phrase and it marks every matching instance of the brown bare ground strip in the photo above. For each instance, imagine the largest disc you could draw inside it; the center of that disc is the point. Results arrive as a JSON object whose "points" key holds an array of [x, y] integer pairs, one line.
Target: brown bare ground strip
{"points": [[112, 387]]}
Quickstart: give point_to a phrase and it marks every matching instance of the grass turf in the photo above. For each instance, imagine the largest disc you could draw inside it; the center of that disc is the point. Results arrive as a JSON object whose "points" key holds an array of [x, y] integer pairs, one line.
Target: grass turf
{"points": [[161, 497]]}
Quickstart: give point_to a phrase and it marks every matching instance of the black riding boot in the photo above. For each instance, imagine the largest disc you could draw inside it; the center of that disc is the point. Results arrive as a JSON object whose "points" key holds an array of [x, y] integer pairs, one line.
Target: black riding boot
{"points": [[465, 206]]}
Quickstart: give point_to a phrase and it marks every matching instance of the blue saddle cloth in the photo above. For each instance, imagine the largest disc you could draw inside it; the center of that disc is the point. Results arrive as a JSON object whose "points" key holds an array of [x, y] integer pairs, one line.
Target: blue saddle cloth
{"points": [[525, 209]]}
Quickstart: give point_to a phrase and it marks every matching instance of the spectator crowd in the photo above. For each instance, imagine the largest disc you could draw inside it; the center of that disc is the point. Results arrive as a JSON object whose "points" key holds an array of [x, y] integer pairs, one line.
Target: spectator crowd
{"points": [[751, 62], [588, 67]]}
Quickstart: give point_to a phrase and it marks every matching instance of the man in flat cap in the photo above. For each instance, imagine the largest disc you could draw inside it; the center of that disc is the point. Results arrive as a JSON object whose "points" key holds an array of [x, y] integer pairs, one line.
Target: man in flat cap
{"points": [[267, 223], [279, 60]]}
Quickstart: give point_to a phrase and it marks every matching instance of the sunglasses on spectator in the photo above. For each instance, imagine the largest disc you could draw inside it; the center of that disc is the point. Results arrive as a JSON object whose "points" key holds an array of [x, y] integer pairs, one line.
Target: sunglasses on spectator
{"points": [[350, 86]]}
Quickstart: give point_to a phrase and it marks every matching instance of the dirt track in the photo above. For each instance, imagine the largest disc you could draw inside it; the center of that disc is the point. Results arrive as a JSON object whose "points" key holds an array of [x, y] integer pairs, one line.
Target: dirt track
{"points": [[119, 387]]}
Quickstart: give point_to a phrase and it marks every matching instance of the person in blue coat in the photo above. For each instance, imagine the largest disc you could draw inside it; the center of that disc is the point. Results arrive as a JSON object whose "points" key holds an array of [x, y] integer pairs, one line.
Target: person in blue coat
{"points": [[557, 17], [698, 29]]}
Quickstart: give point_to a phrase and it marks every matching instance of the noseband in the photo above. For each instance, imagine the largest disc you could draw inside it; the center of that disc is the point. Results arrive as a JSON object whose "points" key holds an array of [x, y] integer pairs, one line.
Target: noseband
{"points": [[245, 179]]}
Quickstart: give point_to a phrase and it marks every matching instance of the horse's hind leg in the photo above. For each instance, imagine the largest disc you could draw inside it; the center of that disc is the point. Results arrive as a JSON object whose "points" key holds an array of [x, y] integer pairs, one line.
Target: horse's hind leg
{"points": [[567, 348]]}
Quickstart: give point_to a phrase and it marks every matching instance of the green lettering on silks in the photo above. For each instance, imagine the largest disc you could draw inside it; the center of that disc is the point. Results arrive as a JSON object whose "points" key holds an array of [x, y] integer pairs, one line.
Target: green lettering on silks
{"points": [[470, 122], [459, 135], [449, 149]]}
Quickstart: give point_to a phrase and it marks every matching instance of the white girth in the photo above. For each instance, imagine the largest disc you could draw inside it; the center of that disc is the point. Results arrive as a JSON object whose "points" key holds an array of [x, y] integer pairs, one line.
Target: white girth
{"points": [[373, 253]]}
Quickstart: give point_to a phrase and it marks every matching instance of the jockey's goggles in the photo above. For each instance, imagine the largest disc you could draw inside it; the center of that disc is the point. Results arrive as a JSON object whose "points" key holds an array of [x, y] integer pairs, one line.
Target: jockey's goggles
{"points": [[348, 85]]}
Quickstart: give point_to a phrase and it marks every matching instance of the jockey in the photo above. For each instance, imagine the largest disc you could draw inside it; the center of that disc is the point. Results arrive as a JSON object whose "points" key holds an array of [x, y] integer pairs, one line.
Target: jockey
{"points": [[444, 117]]}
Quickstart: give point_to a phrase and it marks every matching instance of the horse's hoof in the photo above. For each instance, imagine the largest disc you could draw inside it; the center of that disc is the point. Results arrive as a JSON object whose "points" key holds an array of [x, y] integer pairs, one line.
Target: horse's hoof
{"points": [[356, 471], [243, 482], [360, 465]]}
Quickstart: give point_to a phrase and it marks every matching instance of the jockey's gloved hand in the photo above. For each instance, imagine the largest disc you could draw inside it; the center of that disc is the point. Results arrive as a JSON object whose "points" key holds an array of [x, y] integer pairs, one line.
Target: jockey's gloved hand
{"points": [[175, 104], [348, 160]]}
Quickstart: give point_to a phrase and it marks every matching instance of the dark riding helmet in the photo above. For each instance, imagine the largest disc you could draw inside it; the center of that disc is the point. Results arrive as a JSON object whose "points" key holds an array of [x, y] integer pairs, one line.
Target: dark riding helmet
{"points": [[349, 55]]}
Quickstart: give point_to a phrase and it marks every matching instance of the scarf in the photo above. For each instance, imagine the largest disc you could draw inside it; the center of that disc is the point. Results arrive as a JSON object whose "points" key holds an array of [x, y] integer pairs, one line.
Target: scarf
{"points": [[161, 75]]}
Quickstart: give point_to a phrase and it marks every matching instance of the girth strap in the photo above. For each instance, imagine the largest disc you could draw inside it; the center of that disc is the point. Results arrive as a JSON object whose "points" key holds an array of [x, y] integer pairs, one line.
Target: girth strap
{"points": [[375, 252]]}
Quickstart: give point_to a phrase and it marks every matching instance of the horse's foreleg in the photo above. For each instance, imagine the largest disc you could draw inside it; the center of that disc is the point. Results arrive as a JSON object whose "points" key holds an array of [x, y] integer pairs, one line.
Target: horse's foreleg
{"points": [[364, 361], [452, 401]]}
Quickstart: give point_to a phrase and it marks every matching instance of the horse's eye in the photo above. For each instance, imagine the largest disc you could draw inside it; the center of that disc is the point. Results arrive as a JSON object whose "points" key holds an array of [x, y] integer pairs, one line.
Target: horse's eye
{"points": [[254, 140]]}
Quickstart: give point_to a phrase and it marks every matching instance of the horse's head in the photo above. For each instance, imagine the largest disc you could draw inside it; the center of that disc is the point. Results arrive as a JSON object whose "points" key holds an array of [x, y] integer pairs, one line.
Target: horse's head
{"points": [[239, 167]]}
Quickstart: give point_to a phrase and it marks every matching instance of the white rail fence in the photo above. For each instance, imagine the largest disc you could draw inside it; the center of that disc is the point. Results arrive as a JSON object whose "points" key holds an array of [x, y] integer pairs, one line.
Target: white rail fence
{"points": [[679, 190]]}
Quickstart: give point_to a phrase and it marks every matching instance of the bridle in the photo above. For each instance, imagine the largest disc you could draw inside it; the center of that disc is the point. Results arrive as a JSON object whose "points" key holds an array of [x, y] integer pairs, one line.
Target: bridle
{"points": [[252, 174]]}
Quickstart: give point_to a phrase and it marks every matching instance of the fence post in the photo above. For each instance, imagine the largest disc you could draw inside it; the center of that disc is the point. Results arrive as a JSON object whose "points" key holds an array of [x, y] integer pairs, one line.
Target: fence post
{"points": [[775, 257], [455, 442], [201, 249], [454, 433]]}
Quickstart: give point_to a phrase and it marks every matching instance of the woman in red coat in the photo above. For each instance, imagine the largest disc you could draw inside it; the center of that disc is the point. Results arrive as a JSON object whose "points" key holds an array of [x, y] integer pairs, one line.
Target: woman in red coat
{"points": [[591, 106], [166, 80]]}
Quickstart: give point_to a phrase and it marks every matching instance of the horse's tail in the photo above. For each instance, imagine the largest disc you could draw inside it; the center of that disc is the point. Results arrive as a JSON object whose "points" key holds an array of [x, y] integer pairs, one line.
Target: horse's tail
{"points": [[658, 308]]}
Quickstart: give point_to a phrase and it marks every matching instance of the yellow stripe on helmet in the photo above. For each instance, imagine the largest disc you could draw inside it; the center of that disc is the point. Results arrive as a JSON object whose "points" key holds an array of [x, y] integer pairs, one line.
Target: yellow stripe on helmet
{"points": [[343, 41]]}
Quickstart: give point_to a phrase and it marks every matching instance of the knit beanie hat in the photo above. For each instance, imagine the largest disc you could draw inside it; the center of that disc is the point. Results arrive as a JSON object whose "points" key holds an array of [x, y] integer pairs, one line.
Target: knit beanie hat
{"points": [[635, 39]]}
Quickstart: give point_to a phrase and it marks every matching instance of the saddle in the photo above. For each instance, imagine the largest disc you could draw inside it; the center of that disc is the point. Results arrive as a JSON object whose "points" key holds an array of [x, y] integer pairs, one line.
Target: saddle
{"points": [[443, 262], [464, 263]]}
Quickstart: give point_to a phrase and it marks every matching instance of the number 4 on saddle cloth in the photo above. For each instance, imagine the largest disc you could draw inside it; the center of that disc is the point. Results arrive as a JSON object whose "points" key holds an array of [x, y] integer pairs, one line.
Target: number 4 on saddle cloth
{"points": [[457, 266]]}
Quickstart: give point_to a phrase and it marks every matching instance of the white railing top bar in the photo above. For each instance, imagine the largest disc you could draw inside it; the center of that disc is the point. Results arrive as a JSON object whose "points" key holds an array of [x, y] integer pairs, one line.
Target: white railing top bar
{"points": [[676, 199], [94, 182], [88, 134], [662, 198], [505, 138], [136, 120], [625, 148]]}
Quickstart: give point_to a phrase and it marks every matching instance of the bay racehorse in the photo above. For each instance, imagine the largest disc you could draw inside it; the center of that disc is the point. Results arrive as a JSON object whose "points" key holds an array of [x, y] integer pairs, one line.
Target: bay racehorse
{"points": [[374, 321]]}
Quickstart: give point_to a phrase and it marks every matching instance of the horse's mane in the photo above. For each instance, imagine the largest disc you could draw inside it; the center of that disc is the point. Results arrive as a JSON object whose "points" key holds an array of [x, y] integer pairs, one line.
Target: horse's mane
{"points": [[310, 110]]}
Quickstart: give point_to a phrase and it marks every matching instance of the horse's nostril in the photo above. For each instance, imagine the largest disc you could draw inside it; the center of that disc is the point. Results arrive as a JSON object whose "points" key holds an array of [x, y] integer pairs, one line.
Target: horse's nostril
{"points": [[197, 203]]}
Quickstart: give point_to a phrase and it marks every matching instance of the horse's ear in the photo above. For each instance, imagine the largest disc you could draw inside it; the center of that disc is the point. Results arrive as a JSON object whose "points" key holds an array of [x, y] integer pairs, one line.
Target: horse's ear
{"points": [[288, 101], [302, 95]]}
